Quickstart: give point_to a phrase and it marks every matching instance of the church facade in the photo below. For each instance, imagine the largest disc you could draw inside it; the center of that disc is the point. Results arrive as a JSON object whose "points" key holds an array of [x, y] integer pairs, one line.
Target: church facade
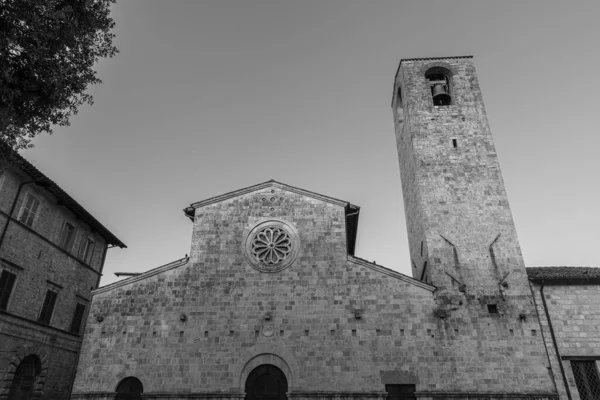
{"points": [[272, 302]]}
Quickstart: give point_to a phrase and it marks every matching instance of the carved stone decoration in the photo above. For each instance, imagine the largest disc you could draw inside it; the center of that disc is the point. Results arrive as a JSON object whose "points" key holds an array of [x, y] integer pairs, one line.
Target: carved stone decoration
{"points": [[268, 330], [271, 246]]}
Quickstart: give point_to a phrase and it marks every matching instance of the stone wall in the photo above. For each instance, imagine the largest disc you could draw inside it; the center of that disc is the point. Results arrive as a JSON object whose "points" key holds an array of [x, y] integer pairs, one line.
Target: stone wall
{"points": [[335, 324]]}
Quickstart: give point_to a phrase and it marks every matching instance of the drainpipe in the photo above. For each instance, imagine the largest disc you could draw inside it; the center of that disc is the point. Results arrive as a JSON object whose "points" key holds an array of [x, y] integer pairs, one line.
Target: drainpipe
{"points": [[12, 209], [562, 369]]}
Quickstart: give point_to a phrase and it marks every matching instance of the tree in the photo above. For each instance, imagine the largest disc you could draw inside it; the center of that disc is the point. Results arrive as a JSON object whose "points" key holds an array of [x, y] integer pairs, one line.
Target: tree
{"points": [[47, 52]]}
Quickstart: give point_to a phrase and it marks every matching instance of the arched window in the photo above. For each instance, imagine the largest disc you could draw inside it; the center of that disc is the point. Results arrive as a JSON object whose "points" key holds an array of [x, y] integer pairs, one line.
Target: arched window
{"points": [[23, 383], [129, 389], [440, 84], [266, 382]]}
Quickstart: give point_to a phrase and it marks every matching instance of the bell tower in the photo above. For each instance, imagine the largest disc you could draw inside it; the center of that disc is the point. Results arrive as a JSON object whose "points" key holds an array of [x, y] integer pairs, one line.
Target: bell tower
{"points": [[461, 233]]}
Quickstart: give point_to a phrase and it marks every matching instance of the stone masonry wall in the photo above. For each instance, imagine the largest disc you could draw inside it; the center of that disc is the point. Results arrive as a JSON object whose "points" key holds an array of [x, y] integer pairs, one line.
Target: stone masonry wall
{"points": [[302, 319], [575, 315]]}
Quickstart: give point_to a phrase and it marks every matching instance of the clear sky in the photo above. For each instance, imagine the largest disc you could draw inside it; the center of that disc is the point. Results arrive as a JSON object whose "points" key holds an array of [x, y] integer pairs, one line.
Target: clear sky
{"points": [[207, 97]]}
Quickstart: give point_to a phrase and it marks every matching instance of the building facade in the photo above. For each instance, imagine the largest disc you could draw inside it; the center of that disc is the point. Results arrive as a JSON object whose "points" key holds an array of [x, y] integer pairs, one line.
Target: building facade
{"points": [[51, 257], [272, 303]]}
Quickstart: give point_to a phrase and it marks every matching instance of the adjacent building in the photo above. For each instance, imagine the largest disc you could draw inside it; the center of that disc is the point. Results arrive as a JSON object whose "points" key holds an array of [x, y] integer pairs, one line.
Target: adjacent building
{"points": [[52, 253]]}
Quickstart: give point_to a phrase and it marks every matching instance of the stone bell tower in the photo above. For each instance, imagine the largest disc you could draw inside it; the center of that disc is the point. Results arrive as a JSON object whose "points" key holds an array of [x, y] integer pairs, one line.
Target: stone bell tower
{"points": [[461, 233]]}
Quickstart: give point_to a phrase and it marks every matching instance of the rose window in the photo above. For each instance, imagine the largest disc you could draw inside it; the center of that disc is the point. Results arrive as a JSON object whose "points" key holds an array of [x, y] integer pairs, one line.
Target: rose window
{"points": [[271, 245]]}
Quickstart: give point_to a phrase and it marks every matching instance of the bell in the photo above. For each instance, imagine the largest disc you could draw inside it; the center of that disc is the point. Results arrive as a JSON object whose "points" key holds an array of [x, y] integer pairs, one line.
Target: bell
{"points": [[440, 95]]}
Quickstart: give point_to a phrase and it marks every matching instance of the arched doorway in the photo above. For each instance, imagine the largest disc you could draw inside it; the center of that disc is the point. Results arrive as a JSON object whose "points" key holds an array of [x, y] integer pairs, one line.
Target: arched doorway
{"points": [[23, 383], [129, 389], [266, 382]]}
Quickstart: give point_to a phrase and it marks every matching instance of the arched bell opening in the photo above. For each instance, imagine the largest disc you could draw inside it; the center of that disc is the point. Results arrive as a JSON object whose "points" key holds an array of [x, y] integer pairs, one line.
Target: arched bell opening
{"points": [[439, 83], [130, 388], [24, 381], [266, 382]]}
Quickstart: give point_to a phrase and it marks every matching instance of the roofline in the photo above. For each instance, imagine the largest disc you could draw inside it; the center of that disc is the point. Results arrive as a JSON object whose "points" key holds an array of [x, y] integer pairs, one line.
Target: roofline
{"points": [[392, 273], [271, 183], [565, 281], [18, 161], [420, 59], [541, 275], [141, 276]]}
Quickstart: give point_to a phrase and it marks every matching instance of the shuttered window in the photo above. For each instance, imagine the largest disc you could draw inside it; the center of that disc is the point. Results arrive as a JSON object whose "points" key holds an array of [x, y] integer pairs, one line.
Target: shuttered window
{"points": [[86, 250], [66, 236], [77, 318], [7, 282], [29, 210], [48, 307]]}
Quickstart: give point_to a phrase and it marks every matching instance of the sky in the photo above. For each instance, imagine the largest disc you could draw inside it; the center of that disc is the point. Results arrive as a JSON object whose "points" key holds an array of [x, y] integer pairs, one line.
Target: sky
{"points": [[207, 97]]}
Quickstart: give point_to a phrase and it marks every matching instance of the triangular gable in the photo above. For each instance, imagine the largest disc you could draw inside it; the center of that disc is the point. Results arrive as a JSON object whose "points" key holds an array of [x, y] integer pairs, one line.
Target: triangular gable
{"points": [[268, 184]]}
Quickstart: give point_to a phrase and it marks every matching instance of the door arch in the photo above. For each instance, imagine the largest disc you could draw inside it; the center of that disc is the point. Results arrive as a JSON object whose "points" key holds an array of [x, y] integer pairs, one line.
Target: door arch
{"points": [[130, 388], [266, 382], [24, 380]]}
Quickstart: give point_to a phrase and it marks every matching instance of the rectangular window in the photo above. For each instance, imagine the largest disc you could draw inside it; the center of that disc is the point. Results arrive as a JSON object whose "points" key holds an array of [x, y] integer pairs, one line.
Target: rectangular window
{"points": [[7, 282], [400, 392], [86, 250], [77, 318], [66, 236], [29, 210], [48, 307], [586, 378]]}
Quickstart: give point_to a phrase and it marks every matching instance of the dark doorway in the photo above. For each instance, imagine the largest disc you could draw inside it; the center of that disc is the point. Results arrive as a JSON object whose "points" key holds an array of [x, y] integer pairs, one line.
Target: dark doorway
{"points": [[266, 382], [23, 383], [129, 389], [400, 392]]}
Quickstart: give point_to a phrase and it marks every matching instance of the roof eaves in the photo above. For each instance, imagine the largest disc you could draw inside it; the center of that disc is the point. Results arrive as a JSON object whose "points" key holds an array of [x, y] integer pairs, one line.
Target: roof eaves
{"points": [[15, 159], [564, 275]]}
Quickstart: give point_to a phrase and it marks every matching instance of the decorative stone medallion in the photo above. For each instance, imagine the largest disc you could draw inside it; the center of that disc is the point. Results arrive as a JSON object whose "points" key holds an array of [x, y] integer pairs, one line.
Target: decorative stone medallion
{"points": [[271, 246], [268, 330]]}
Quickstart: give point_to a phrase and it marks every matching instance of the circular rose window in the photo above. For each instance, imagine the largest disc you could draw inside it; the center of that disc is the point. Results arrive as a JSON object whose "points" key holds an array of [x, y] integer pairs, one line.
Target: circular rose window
{"points": [[271, 246]]}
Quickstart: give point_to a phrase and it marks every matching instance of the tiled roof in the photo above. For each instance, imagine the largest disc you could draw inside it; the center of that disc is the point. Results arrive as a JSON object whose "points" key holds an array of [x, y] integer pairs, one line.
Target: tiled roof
{"points": [[15, 159], [564, 274], [434, 58]]}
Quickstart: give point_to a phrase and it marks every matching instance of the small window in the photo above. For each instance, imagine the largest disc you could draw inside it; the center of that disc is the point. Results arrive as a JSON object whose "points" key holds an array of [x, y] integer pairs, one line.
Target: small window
{"points": [[587, 379], [29, 210], [7, 282], [77, 318], [66, 236], [86, 250], [48, 307], [492, 308]]}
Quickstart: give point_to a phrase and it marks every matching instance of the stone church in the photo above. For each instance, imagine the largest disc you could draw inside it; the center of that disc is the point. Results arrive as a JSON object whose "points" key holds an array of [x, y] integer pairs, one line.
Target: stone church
{"points": [[272, 302]]}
